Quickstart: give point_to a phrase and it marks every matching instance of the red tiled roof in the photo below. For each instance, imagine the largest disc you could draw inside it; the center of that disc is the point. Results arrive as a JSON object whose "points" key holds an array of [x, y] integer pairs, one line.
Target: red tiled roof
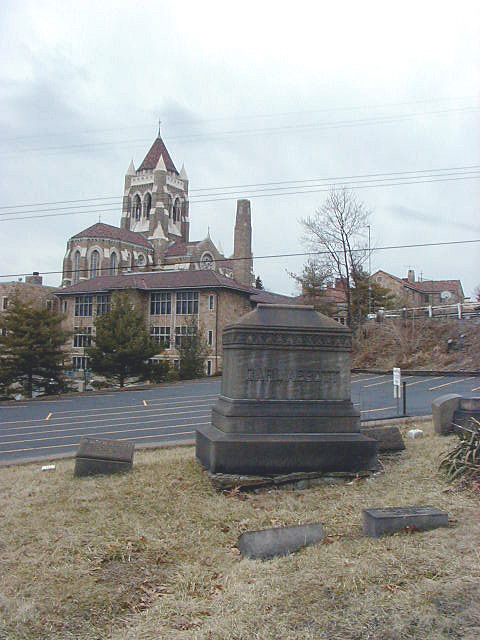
{"points": [[180, 279], [101, 230], [437, 285], [150, 161], [180, 248], [267, 297]]}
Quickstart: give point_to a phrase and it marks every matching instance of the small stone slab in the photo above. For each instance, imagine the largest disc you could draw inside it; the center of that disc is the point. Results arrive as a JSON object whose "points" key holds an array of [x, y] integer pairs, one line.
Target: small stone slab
{"points": [[103, 456], [378, 522], [415, 433], [388, 437], [280, 541]]}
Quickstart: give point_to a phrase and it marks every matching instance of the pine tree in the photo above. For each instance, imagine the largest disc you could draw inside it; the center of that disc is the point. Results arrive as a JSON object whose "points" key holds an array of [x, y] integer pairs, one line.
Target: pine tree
{"points": [[258, 283], [122, 344], [31, 347], [193, 350]]}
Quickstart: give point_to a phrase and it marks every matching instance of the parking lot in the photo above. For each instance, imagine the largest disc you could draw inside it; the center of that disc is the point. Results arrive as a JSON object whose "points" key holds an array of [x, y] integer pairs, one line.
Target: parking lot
{"points": [[170, 413]]}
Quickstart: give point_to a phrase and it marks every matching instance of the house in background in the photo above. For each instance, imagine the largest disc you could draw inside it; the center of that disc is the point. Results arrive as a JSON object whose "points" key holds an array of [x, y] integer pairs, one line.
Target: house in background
{"points": [[420, 293]]}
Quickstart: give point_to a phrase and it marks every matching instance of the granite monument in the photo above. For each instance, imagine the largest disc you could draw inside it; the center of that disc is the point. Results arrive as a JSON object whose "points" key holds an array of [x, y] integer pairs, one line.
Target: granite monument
{"points": [[285, 398]]}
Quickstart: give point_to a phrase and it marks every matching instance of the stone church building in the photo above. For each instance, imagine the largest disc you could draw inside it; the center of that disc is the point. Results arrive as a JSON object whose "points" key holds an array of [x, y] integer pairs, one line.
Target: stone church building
{"points": [[151, 254]]}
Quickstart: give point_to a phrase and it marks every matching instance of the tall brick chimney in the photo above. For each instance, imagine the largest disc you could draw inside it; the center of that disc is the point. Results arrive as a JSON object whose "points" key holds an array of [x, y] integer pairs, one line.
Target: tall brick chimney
{"points": [[242, 245], [35, 278], [411, 276]]}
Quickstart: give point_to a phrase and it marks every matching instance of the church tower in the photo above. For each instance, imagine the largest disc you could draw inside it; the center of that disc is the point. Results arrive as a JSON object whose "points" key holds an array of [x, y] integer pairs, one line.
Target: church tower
{"points": [[155, 199]]}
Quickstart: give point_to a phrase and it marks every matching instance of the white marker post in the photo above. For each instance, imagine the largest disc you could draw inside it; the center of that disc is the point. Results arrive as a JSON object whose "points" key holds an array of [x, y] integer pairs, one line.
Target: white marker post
{"points": [[397, 386]]}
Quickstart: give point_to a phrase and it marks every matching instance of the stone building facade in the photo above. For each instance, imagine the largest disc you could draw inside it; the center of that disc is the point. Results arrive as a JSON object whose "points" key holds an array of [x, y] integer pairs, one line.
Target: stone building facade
{"points": [[420, 293], [154, 232], [171, 277], [29, 290], [169, 301]]}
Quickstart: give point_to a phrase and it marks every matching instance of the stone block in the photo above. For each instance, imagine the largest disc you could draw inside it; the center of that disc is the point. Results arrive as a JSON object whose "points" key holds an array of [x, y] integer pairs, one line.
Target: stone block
{"points": [[269, 543], [413, 434], [95, 456], [378, 522], [389, 437], [443, 409], [263, 454]]}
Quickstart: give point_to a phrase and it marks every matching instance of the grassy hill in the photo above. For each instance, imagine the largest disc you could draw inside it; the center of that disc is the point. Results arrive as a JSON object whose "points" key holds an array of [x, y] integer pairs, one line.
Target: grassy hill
{"points": [[422, 344]]}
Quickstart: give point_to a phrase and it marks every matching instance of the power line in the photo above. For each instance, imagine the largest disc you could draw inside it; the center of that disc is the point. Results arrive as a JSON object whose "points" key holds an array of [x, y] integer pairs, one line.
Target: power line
{"points": [[391, 179], [269, 256], [247, 117], [241, 132]]}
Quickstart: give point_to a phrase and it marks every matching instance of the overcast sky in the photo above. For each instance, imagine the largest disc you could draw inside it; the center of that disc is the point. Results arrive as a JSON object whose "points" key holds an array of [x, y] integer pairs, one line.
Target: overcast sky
{"points": [[248, 93]]}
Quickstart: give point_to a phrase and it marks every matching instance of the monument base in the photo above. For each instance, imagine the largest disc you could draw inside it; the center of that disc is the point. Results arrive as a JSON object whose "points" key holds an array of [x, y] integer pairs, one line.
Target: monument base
{"points": [[258, 454]]}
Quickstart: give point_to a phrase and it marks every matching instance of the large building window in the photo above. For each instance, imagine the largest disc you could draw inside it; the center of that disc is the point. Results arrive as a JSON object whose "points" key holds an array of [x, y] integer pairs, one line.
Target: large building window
{"points": [[82, 336], [94, 264], [137, 207], [187, 303], [79, 363], [161, 335], [76, 267], [113, 264], [181, 333], [148, 205], [103, 304], [83, 306], [160, 304]]}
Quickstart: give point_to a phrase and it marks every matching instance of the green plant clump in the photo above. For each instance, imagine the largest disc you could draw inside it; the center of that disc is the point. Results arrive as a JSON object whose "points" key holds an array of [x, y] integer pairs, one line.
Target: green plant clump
{"points": [[464, 460]]}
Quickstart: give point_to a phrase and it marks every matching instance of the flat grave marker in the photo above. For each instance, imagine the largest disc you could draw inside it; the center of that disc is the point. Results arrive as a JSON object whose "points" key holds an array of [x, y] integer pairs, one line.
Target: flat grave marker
{"points": [[378, 522], [280, 541]]}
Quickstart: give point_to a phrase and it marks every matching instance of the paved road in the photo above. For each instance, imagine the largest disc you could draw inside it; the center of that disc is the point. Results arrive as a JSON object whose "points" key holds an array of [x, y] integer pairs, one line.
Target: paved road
{"points": [[44, 429]]}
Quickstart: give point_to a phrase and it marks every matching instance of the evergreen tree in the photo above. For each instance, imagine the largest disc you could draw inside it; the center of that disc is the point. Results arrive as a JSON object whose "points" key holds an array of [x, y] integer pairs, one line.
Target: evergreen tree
{"points": [[193, 350], [380, 297], [314, 281], [258, 283], [31, 344], [122, 344]]}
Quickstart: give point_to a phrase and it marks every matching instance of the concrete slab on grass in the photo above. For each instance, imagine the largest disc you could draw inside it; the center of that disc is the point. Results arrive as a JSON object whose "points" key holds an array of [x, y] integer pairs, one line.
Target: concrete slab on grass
{"points": [[378, 522], [96, 456], [280, 541]]}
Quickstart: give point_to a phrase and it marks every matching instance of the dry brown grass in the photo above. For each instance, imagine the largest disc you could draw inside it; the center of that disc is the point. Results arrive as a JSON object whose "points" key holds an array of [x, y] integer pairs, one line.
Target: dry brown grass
{"points": [[152, 555], [421, 344]]}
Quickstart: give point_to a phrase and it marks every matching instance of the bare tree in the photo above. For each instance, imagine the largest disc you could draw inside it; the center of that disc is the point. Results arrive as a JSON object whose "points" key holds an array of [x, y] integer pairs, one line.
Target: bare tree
{"points": [[337, 230]]}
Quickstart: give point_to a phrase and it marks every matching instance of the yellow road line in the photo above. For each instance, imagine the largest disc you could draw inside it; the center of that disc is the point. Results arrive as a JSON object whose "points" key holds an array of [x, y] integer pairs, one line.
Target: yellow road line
{"points": [[30, 423], [49, 416], [144, 403], [439, 386], [75, 427]]}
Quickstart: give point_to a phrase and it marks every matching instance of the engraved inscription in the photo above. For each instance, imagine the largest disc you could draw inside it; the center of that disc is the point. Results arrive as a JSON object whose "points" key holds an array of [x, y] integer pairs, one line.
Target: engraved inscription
{"points": [[260, 338], [293, 375]]}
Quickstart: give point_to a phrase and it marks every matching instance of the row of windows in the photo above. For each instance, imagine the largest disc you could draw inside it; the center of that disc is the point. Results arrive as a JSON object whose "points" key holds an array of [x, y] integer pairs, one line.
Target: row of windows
{"points": [[80, 363], [186, 303], [94, 266], [82, 336], [84, 305], [137, 209]]}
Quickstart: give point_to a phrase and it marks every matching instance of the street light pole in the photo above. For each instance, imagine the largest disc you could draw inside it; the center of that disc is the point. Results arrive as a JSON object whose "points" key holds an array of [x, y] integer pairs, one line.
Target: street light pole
{"points": [[369, 273]]}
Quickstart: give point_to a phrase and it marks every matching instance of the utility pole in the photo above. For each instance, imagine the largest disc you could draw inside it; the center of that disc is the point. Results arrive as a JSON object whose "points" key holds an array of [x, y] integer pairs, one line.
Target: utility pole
{"points": [[369, 273]]}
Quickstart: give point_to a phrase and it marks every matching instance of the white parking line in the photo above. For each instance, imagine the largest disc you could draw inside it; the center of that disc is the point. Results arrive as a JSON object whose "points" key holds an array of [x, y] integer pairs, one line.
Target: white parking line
{"points": [[373, 410], [102, 433], [61, 446], [476, 389], [439, 386], [410, 384], [376, 384], [59, 428], [136, 409], [366, 379]]}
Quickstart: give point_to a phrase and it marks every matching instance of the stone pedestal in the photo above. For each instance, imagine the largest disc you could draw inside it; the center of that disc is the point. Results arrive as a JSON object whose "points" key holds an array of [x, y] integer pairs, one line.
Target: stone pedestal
{"points": [[285, 400]]}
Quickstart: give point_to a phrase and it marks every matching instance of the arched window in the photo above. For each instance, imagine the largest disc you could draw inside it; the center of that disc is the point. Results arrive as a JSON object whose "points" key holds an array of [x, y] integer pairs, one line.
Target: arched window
{"points": [[94, 264], [176, 211], [147, 205], [76, 267], [170, 206], [113, 264], [137, 207], [129, 206]]}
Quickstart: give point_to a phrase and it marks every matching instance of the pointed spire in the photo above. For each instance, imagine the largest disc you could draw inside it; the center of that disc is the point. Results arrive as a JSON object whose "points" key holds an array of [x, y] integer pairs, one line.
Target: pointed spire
{"points": [[183, 173], [131, 169], [161, 164], [159, 126], [208, 232]]}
